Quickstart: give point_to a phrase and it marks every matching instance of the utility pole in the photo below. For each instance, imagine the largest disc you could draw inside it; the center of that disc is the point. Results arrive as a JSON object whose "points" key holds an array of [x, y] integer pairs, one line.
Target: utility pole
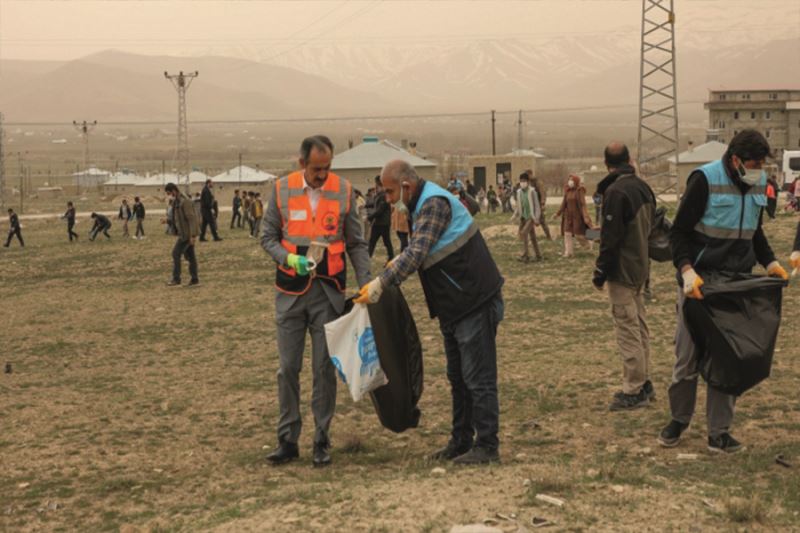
{"points": [[181, 82], [658, 103], [84, 128], [519, 131], [2, 164], [21, 183], [240, 170], [494, 140]]}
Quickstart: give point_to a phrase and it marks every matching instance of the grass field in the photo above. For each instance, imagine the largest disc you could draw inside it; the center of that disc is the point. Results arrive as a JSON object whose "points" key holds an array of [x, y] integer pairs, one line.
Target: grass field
{"points": [[134, 406]]}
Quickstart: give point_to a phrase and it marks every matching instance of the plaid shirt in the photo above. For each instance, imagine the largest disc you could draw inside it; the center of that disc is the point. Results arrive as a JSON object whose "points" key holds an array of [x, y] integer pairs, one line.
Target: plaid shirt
{"points": [[432, 221]]}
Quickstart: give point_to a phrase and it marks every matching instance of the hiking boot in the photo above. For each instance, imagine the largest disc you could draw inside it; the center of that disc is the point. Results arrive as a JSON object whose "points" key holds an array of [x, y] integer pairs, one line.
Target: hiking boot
{"points": [[284, 453], [449, 452], [649, 390], [725, 443], [625, 402], [670, 436], [478, 455]]}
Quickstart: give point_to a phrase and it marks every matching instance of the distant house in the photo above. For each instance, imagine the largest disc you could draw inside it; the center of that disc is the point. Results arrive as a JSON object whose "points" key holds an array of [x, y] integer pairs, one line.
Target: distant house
{"points": [[91, 177], [485, 170], [693, 158], [121, 183], [245, 176], [362, 163]]}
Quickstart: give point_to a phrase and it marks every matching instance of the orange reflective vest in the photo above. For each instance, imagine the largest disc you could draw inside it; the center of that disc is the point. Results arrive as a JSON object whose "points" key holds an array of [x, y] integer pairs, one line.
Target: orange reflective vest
{"points": [[302, 226]]}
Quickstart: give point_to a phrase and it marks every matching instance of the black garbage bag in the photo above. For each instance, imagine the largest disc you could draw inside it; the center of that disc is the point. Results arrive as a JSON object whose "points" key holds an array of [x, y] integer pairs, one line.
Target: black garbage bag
{"points": [[734, 329], [659, 248], [400, 352]]}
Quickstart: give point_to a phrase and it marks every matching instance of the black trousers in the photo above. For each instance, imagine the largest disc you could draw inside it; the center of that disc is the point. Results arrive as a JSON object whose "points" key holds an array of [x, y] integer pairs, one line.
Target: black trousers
{"points": [[70, 225], [403, 236], [382, 232], [185, 249], [236, 219], [139, 227], [96, 231], [208, 222], [18, 233]]}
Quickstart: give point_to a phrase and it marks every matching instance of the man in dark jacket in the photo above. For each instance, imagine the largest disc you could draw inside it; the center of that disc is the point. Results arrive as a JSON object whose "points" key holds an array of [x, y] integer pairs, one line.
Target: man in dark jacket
{"points": [[138, 214], [463, 289], [623, 264], [101, 223], [236, 217], [69, 216], [185, 220], [717, 229], [14, 229], [207, 212], [381, 219]]}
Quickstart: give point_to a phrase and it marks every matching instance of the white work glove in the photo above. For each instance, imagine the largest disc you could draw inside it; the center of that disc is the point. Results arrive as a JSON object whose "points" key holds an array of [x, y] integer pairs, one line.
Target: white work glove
{"points": [[370, 293], [691, 284]]}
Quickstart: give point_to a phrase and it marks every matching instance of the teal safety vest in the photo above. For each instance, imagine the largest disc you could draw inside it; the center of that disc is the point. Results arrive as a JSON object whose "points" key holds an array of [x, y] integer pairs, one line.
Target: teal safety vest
{"points": [[462, 227], [729, 213]]}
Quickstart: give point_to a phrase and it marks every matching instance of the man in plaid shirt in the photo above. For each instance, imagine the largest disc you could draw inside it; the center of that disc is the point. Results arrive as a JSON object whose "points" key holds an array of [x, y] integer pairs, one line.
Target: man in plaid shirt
{"points": [[462, 288]]}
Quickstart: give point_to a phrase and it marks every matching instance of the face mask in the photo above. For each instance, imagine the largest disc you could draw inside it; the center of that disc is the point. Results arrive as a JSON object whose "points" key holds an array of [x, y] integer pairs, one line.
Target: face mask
{"points": [[751, 176], [571, 184]]}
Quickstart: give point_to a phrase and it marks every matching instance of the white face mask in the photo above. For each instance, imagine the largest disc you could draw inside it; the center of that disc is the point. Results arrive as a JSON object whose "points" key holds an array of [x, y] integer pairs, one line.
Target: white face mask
{"points": [[571, 184], [751, 176]]}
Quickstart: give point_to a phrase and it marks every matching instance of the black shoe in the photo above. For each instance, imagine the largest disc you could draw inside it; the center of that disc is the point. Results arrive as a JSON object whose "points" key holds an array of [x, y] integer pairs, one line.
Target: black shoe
{"points": [[284, 453], [174, 283], [218, 239], [322, 455], [671, 434], [725, 443], [625, 402], [478, 455], [202, 239], [194, 283], [449, 452], [649, 390]]}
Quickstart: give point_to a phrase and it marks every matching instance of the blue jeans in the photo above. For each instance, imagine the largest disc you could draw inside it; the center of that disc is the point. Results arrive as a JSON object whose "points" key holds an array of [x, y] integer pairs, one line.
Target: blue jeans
{"points": [[471, 351]]}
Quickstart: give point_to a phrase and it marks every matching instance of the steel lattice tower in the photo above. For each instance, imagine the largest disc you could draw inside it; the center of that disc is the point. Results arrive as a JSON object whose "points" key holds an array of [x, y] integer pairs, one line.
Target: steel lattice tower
{"points": [[658, 104], [85, 128], [182, 82]]}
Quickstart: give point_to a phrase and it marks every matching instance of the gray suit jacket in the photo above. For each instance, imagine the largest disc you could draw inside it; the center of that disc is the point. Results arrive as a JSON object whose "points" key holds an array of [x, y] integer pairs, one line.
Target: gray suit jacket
{"points": [[272, 232]]}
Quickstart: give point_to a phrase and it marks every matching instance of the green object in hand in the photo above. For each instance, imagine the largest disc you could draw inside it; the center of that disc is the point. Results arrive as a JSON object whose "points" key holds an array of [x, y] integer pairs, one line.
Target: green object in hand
{"points": [[299, 263]]}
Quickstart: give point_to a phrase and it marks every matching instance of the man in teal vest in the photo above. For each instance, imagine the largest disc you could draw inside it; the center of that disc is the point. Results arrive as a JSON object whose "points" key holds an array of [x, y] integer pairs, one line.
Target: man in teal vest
{"points": [[462, 288], [717, 229]]}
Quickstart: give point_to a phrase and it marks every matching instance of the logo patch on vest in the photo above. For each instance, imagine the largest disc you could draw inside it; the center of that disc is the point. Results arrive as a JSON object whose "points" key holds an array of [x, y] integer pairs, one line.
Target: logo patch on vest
{"points": [[298, 214], [330, 221]]}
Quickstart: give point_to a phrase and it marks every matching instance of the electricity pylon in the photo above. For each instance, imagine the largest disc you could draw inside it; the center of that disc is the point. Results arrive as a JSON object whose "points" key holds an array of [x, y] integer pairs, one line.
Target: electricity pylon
{"points": [[182, 82]]}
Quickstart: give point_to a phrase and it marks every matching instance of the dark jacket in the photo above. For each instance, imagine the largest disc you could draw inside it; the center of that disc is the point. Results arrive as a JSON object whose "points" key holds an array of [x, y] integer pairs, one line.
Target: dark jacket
{"points": [[124, 212], [185, 218], [138, 210], [101, 221], [13, 222], [704, 253], [629, 207], [237, 203], [382, 215], [70, 214], [206, 199]]}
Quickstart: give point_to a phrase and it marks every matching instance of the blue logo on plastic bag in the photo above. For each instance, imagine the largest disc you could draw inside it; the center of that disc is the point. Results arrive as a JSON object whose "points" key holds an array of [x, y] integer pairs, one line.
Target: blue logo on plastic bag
{"points": [[368, 352]]}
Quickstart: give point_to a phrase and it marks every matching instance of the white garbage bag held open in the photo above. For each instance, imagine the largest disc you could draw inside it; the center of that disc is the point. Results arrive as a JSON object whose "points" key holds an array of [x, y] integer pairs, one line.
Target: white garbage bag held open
{"points": [[351, 345]]}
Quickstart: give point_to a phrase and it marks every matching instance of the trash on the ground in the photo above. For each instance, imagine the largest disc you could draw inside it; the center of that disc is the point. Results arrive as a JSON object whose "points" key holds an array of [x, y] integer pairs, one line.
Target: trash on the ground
{"points": [[438, 471], [475, 528], [592, 472], [491, 522], [709, 504], [781, 460], [687, 456], [619, 489], [510, 516], [538, 521], [24, 485], [552, 500], [520, 456]]}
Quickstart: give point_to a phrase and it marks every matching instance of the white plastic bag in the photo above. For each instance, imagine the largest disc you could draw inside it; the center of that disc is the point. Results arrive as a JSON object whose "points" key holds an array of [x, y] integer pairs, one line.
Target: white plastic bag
{"points": [[352, 349]]}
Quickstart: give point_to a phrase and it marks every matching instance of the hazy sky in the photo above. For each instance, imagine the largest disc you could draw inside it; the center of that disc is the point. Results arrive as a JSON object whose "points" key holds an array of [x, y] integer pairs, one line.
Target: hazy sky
{"points": [[67, 29]]}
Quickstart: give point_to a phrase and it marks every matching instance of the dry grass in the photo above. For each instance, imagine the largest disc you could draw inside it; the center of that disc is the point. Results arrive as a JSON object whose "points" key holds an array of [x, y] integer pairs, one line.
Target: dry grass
{"points": [[134, 404]]}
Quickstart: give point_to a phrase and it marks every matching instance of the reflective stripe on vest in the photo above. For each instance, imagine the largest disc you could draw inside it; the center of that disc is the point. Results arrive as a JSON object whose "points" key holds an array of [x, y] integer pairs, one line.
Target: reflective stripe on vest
{"points": [[729, 213], [458, 232], [302, 226]]}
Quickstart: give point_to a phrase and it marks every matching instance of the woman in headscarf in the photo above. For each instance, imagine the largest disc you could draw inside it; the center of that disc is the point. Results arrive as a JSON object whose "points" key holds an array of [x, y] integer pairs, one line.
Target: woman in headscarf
{"points": [[574, 215]]}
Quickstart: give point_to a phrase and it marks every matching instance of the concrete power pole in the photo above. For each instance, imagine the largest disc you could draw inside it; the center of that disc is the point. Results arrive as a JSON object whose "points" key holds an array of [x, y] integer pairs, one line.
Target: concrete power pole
{"points": [[520, 136], [182, 82], [494, 139], [658, 102], [2, 164], [85, 128]]}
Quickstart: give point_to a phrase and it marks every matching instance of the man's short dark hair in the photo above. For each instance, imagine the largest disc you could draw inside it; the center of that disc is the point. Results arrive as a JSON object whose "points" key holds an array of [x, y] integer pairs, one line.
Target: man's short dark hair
{"points": [[749, 145], [378, 180], [524, 176], [170, 187], [93, 215], [10, 210], [236, 191], [208, 181], [617, 155], [135, 198], [320, 142]]}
